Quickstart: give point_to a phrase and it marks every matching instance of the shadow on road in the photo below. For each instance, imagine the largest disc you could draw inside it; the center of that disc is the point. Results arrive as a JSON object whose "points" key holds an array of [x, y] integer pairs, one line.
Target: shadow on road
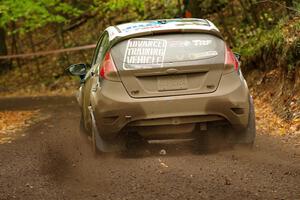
{"points": [[172, 149]]}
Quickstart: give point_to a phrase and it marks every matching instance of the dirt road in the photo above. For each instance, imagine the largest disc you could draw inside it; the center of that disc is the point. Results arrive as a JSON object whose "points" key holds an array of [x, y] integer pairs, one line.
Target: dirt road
{"points": [[52, 161]]}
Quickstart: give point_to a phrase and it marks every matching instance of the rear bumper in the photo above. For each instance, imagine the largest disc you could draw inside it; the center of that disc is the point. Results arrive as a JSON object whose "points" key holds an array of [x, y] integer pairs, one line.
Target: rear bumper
{"points": [[114, 109]]}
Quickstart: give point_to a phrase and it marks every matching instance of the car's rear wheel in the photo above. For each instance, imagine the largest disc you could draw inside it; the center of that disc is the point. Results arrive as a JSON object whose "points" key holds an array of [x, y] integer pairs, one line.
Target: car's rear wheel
{"points": [[82, 129], [94, 142], [218, 137], [88, 135], [246, 137]]}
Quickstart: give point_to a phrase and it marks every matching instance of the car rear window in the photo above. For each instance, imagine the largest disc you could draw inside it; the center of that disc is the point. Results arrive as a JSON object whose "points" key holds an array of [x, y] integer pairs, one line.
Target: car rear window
{"points": [[154, 51]]}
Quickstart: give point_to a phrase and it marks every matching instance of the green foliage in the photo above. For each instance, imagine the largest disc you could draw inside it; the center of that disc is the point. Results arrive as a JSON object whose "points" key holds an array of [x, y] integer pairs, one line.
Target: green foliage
{"points": [[133, 10], [279, 45], [28, 15], [201, 8], [115, 5], [212, 5], [32, 14], [276, 37], [260, 38]]}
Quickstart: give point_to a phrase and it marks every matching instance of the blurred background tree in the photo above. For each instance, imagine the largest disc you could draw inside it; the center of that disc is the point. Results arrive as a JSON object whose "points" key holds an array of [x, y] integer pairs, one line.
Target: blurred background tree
{"points": [[20, 17], [255, 28]]}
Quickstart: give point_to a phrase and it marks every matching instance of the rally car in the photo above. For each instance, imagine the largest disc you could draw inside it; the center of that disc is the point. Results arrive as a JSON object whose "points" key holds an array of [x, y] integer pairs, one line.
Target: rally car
{"points": [[163, 79]]}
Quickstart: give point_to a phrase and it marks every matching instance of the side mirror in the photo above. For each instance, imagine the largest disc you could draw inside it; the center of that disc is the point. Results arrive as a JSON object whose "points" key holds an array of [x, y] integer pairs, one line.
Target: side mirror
{"points": [[78, 69], [237, 56]]}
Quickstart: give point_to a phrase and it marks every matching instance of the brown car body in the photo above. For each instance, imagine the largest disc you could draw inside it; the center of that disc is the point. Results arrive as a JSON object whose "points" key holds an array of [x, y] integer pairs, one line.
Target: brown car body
{"points": [[170, 80]]}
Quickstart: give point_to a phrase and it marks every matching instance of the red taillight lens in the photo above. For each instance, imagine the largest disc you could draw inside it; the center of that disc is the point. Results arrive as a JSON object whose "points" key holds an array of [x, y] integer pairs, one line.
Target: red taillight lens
{"points": [[108, 70], [230, 58]]}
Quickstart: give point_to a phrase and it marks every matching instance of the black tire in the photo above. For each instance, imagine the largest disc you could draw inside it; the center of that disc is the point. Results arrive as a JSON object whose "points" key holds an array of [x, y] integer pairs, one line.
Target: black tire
{"points": [[86, 139], [95, 149], [81, 126], [246, 138]]}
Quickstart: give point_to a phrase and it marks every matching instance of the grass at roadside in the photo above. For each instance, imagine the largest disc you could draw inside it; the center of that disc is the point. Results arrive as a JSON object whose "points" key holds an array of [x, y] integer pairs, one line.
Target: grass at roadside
{"points": [[12, 122], [267, 49]]}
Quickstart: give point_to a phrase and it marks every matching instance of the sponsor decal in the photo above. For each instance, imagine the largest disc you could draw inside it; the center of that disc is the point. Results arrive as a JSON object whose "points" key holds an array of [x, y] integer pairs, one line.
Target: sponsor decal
{"points": [[138, 26], [146, 53], [187, 43]]}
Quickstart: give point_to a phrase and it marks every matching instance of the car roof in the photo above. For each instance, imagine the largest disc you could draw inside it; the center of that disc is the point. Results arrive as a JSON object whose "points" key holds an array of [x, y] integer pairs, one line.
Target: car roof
{"points": [[161, 25]]}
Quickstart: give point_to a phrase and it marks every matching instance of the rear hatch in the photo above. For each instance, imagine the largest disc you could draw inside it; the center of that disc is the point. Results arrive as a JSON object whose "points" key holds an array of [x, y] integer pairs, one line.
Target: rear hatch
{"points": [[170, 64]]}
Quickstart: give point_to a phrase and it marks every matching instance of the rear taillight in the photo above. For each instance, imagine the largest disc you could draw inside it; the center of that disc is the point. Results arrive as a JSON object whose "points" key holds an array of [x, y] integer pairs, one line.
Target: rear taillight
{"points": [[230, 59], [108, 70]]}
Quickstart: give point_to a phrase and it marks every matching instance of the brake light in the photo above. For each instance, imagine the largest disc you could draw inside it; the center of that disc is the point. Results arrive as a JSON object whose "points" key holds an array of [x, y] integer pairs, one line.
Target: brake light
{"points": [[108, 70], [230, 59]]}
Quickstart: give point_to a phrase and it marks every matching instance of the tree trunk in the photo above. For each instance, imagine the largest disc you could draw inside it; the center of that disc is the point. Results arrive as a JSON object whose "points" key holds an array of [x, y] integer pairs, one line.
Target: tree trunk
{"points": [[231, 6], [180, 13], [253, 12], [77, 44], [226, 29], [4, 64], [63, 44], [14, 45], [245, 11], [289, 4], [33, 51], [192, 8]]}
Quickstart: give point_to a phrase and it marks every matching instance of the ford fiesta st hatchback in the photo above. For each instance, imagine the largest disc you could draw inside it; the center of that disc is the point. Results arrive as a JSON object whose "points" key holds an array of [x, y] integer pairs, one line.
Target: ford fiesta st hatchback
{"points": [[163, 79]]}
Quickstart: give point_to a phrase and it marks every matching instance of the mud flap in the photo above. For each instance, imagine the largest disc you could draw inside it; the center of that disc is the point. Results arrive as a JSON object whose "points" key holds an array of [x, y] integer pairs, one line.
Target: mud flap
{"points": [[101, 144]]}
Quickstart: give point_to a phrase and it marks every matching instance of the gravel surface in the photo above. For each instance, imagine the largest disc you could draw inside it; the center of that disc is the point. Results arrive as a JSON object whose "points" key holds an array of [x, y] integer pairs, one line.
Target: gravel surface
{"points": [[53, 161]]}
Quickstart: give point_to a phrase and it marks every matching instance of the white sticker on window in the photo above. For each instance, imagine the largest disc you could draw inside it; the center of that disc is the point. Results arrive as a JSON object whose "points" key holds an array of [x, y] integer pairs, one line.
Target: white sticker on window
{"points": [[188, 43], [202, 42], [146, 53]]}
